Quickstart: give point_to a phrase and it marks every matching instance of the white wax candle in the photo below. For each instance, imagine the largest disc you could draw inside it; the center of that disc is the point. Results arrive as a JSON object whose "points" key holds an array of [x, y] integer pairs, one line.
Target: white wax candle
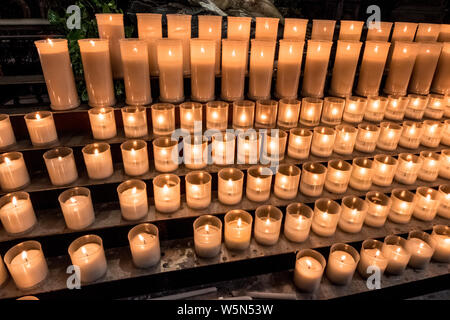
{"points": [[91, 260], [98, 160], [311, 111], [326, 217], [395, 109], [353, 213], [238, 229], [371, 257], [258, 184], [103, 123], [432, 133], [431, 166], [191, 116], [444, 164], [7, 137], [332, 110], [76, 205], [166, 188], [426, 203], [444, 206], [243, 114], [354, 109], [376, 106], [198, 189], [313, 179], [3, 273], [416, 106], [441, 236], [384, 168], [345, 139], [207, 241], [298, 222], [13, 171], [135, 157], [421, 253], [367, 137], [145, 249], [287, 179], [267, 225], [402, 206], [411, 133], [134, 122], [165, 154], [338, 176], [163, 118], [397, 257], [308, 273], [16, 213], [248, 147], [389, 136], [61, 166], [223, 146], [408, 168], [133, 200], [378, 209], [41, 128], [266, 113], [323, 141], [362, 172], [195, 152], [289, 110], [341, 267], [28, 268], [299, 143], [230, 185]]}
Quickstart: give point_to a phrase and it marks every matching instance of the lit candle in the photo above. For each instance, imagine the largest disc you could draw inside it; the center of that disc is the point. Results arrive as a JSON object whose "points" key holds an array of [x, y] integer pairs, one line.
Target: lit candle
{"points": [[362, 172], [207, 236], [223, 146], [165, 154], [344, 67], [308, 272], [210, 27], [61, 167], [375, 108], [432, 133], [203, 69], [150, 29], [266, 113], [378, 209], [436, 106], [195, 152], [396, 107], [13, 171], [404, 31], [338, 176], [267, 225], [41, 128], [98, 160], [248, 147], [136, 74], [444, 206], [372, 67], [287, 180], [230, 186], [421, 246], [313, 179], [396, 252], [332, 110], [88, 254], [7, 137], [144, 245], [103, 123], [135, 157], [441, 80], [323, 29], [354, 109], [311, 111], [274, 146], [416, 106], [350, 30], [378, 31], [266, 28], [353, 214], [243, 114], [234, 62], [427, 32], [345, 139], [444, 34], [367, 137], [76, 206], [411, 133], [238, 28], [408, 168], [238, 229], [402, 206], [295, 29], [288, 113], [110, 27], [441, 236], [170, 64], [444, 164], [316, 67], [166, 188], [134, 122], [390, 134], [17, 213], [163, 118], [298, 222], [430, 166], [58, 74], [326, 217], [299, 143], [323, 141], [372, 256], [426, 203], [424, 67], [384, 168], [342, 263], [198, 189], [26, 264], [191, 116], [217, 115], [97, 72], [133, 199], [258, 185], [179, 27], [290, 55]]}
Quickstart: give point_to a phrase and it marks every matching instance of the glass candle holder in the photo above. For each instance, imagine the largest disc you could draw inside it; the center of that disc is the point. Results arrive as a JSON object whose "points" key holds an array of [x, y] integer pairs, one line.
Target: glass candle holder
{"points": [[299, 143], [408, 168], [238, 28], [163, 118], [424, 67], [298, 222], [396, 252], [378, 209], [372, 67], [166, 188], [313, 179], [98, 160], [230, 186], [26, 264], [416, 106], [61, 167], [338, 176], [165, 154], [191, 116], [444, 164], [7, 137], [316, 67], [308, 271], [375, 109], [342, 263], [170, 64], [198, 189], [258, 185], [344, 67], [345, 139], [354, 109], [444, 206], [404, 31], [238, 229], [274, 146], [367, 137], [266, 113], [103, 123], [384, 168], [287, 180], [326, 216], [13, 171], [217, 115], [288, 113], [389, 137], [290, 56], [248, 147], [446, 133], [441, 235], [427, 32], [149, 27], [266, 28], [243, 114], [210, 27], [441, 81], [134, 122], [295, 29], [350, 30], [77, 208], [323, 141], [432, 133], [133, 199], [203, 69], [234, 66], [372, 257], [223, 146], [421, 246], [267, 225], [378, 31], [353, 214], [323, 29], [332, 110], [135, 157], [362, 172], [402, 206], [207, 236], [311, 111], [195, 152], [88, 254], [426, 203], [436, 106], [396, 107], [144, 245], [179, 27], [41, 128], [262, 56], [17, 213], [411, 133]]}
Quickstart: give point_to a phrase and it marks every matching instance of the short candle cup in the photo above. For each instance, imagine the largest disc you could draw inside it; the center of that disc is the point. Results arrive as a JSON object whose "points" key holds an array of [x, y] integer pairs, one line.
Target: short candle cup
{"points": [[378, 210], [207, 236], [165, 154], [309, 268], [323, 29], [299, 143], [376, 107], [411, 133], [444, 206], [313, 179], [195, 152], [135, 157], [13, 171], [298, 222], [203, 68], [384, 168], [243, 114], [223, 148], [258, 185], [408, 168], [326, 216], [389, 137], [274, 146], [267, 225], [323, 141], [144, 245], [163, 118], [421, 246], [248, 147], [354, 110], [426, 203], [98, 160], [217, 115], [238, 229], [402, 206], [288, 113], [166, 188], [432, 165], [436, 106], [333, 109], [446, 133], [416, 106], [103, 123], [316, 67], [396, 107], [287, 180], [198, 189], [311, 111], [362, 172], [133, 199], [191, 116], [432, 133], [266, 113], [372, 257], [77, 208], [396, 252], [17, 213], [367, 137], [441, 235], [342, 263], [7, 137], [134, 122], [41, 128], [353, 214], [230, 186], [61, 167], [444, 164], [338, 176], [345, 139]]}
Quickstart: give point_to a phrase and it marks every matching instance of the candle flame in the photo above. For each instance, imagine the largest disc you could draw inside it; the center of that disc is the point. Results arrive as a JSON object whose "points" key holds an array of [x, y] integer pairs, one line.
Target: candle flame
{"points": [[343, 257], [131, 119], [73, 200], [351, 27], [377, 253], [160, 119], [266, 26], [230, 182], [50, 42], [165, 188], [7, 161], [170, 52], [188, 116], [233, 53], [405, 29], [96, 151], [202, 50], [38, 116], [215, 115], [405, 50], [134, 190], [141, 238], [267, 221], [308, 263], [14, 201], [92, 43], [376, 49], [207, 228], [83, 251], [24, 256], [240, 27], [239, 222]]}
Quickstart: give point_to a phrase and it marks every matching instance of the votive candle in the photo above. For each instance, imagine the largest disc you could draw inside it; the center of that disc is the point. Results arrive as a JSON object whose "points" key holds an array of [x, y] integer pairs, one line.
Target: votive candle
{"points": [[288, 113], [61, 167], [313, 179], [345, 139], [179, 27], [98, 160], [290, 56], [230, 186], [262, 56], [432, 133], [77, 208], [163, 118], [426, 203], [431, 165], [171, 60], [333, 109], [13, 171], [243, 114], [207, 236], [379, 205], [41, 128], [323, 141], [342, 263], [234, 64], [354, 109], [376, 106], [367, 137], [362, 172], [298, 222], [135, 157], [103, 123], [311, 111], [309, 268], [384, 168], [191, 115], [411, 133], [338, 176], [166, 188], [258, 185], [402, 206], [299, 143], [408, 168], [389, 137], [266, 113], [144, 245], [267, 225], [326, 216], [287, 180], [441, 235], [133, 199], [165, 154], [372, 257], [421, 246], [198, 189], [134, 121], [353, 214], [217, 115], [203, 69], [396, 107], [17, 213], [238, 229], [396, 252]]}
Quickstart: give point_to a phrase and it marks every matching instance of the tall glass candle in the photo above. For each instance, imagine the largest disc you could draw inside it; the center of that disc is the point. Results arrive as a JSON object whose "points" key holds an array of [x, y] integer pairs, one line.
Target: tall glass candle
{"points": [[426, 203], [354, 110], [289, 110], [7, 137], [230, 186], [110, 27], [290, 55], [441, 80], [163, 118], [441, 235], [416, 106], [299, 143], [390, 134], [243, 114], [77, 208], [61, 167], [350, 30], [166, 189], [223, 147], [239, 29], [133, 199], [338, 176], [150, 29], [342, 263], [345, 139], [259, 183], [411, 133], [134, 121], [266, 28], [267, 225], [311, 111], [103, 123], [395, 109], [41, 128], [234, 61], [165, 154], [309, 267], [436, 106], [384, 168], [367, 137], [98, 160], [248, 147], [287, 180], [444, 205], [424, 67], [210, 27], [217, 115], [408, 168], [203, 69], [135, 157], [371, 257], [396, 252], [427, 32], [266, 113], [421, 246], [378, 31], [179, 27], [238, 229], [198, 189], [323, 29], [17, 213], [432, 133], [295, 29], [170, 57], [298, 222], [404, 31], [262, 56], [144, 245], [195, 152], [316, 67], [13, 171], [323, 141], [313, 179], [326, 216], [353, 213], [402, 206], [362, 172], [207, 236], [430, 166], [191, 114], [379, 205], [333, 109], [375, 108]]}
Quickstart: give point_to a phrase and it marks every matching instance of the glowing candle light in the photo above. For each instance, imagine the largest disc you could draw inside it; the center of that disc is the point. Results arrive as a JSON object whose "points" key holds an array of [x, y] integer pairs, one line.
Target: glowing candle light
{"points": [[323, 29], [333, 109], [326, 216], [378, 31], [342, 263], [402, 206], [421, 246], [238, 229], [378, 209], [295, 29], [41, 128], [316, 66], [13, 171], [267, 224], [298, 222], [290, 56], [150, 29], [367, 137], [198, 189], [17, 213], [426, 203], [371, 256], [166, 188], [309, 267], [362, 172], [384, 168], [299, 143], [110, 27], [207, 236]]}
